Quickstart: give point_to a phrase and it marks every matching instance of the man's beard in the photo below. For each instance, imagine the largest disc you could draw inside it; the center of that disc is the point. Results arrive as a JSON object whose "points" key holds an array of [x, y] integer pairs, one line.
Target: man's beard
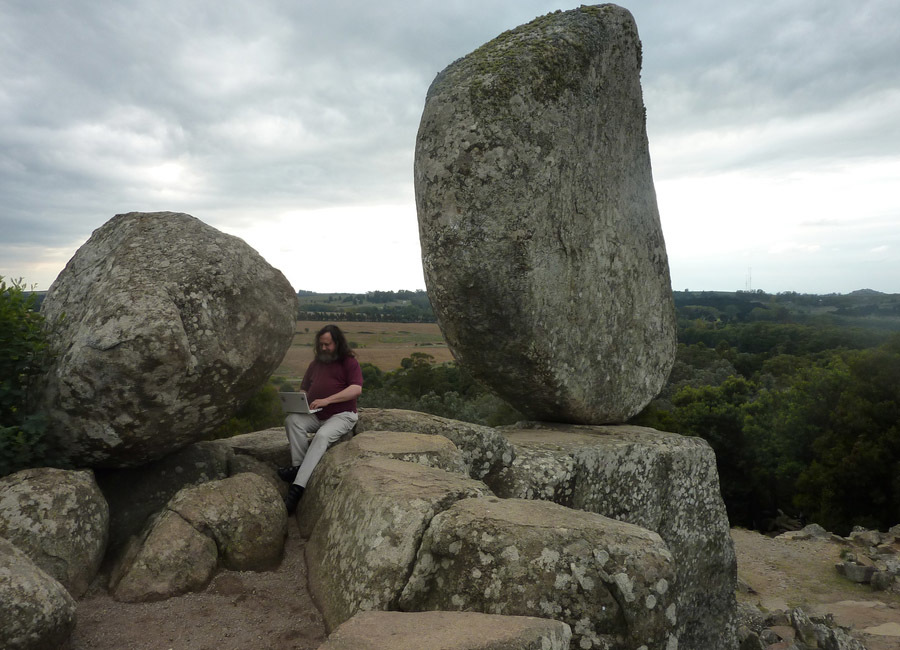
{"points": [[326, 357]]}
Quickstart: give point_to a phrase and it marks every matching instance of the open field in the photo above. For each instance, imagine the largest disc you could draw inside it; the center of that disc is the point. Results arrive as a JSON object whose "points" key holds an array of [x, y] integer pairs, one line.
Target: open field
{"points": [[382, 344]]}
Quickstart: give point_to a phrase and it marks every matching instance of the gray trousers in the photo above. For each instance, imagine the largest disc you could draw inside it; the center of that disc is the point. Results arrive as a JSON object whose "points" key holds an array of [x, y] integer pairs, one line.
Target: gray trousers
{"points": [[306, 453]]}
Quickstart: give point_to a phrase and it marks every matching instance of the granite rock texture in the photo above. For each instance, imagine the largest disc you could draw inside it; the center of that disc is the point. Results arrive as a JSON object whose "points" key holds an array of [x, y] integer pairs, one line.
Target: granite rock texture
{"points": [[447, 631], [660, 481], [363, 546], [162, 327], [608, 580], [36, 611], [483, 449], [430, 450], [59, 519], [239, 523], [135, 494], [541, 241]]}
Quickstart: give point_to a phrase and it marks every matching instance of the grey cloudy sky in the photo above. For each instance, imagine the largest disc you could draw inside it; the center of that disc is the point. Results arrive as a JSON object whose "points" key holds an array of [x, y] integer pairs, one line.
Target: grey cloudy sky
{"points": [[774, 131]]}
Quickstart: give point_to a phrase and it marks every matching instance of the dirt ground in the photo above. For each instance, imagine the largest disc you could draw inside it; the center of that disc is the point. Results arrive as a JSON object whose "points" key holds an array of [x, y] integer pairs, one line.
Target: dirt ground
{"points": [[784, 573], [239, 610], [272, 609]]}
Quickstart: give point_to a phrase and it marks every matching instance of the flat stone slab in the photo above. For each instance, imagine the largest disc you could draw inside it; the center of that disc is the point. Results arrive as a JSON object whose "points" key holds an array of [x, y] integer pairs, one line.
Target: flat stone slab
{"points": [[483, 449], [429, 450], [362, 547], [269, 445], [447, 631], [661, 481], [609, 580]]}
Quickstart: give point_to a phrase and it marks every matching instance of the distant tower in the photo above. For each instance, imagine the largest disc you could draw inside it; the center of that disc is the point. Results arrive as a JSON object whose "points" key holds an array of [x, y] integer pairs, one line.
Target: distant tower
{"points": [[749, 285]]}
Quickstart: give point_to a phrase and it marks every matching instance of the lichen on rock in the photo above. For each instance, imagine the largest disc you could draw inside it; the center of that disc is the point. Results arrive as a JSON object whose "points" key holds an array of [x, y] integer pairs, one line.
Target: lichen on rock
{"points": [[541, 242]]}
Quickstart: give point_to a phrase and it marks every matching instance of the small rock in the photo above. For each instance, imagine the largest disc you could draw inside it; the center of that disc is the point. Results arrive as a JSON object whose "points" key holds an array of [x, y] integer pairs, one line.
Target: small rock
{"points": [[865, 538], [778, 617], [881, 581], [855, 572], [748, 639]]}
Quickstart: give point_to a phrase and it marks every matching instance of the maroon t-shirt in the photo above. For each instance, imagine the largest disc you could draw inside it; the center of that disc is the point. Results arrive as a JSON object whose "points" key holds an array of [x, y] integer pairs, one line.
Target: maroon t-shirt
{"points": [[326, 379]]}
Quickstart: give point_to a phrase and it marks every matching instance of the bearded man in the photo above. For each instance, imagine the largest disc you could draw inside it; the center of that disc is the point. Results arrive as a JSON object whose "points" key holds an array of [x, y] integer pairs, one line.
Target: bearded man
{"points": [[333, 381]]}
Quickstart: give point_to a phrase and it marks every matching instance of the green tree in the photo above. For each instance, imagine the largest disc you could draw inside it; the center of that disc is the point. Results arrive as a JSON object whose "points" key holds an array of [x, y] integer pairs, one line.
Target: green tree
{"points": [[24, 354], [716, 413], [262, 411], [853, 477]]}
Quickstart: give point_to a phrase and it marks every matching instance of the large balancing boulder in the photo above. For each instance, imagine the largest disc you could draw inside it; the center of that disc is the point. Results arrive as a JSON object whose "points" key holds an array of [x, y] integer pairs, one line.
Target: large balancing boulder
{"points": [[541, 241], [163, 326]]}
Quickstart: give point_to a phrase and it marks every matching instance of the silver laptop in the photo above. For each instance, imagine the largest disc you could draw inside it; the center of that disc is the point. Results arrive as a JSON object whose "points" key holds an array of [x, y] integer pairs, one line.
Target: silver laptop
{"points": [[295, 403]]}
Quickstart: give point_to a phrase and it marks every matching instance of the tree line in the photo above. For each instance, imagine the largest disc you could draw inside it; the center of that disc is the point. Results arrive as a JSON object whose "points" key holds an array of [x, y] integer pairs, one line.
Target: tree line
{"points": [[798, 395], [800, 399], [373, 306]]}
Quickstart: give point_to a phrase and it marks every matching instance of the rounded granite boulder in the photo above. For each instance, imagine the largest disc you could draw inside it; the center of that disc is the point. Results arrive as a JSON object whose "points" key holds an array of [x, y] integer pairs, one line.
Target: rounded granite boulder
{"points": [[162, 326], [541, 241]]}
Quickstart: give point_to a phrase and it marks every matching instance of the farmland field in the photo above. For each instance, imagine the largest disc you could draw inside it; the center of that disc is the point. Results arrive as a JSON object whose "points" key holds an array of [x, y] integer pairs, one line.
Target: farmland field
{"points": [[381, 344]]}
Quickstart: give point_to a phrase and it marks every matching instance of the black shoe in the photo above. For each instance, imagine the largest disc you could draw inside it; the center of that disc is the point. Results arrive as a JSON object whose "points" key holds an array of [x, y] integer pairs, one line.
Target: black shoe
{"points": [[288, 474], [293, 498]]}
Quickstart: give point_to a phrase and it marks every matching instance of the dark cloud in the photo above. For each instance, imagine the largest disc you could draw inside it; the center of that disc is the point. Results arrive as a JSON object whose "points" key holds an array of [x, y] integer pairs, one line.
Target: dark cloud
{"points": [[250, 108]]}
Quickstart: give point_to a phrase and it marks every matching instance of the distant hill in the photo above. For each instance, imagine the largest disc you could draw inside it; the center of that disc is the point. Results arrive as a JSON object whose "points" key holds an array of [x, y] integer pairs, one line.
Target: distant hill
{"points": [[862, 308], [387, 306]]}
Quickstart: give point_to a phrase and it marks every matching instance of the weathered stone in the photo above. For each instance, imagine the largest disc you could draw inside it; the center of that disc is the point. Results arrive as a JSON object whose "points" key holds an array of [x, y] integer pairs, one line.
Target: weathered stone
{"points": [[363, 545], [855, 572], [812, 531], [135, 494], [541, 242], [169, 559], [59, 519], [448, 631], [610, 581], [537, 474], [881, 580], [269, 445], [245, 516], [238, 522], [162, 327], [483, 448], [749, 640], [819, 635], [865, 538], [36, 611], [661, 481], [241, 463], [431, 450]]}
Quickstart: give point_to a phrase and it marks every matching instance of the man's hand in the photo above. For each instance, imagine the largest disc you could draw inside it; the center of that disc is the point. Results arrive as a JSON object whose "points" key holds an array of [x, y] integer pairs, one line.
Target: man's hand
{"points": [[351, 392]]}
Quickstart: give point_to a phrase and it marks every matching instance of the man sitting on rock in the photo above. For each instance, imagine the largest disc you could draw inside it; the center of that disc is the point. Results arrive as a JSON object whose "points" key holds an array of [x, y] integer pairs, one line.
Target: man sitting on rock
{"points": [[332, 383]]}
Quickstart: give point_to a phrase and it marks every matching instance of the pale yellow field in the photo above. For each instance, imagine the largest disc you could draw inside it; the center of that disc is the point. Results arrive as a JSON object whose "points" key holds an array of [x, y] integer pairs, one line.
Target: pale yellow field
{"points": [[381, 344]]}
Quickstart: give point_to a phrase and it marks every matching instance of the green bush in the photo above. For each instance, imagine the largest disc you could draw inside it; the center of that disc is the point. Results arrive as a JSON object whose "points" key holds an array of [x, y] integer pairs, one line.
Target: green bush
{"points": [[262, 411], [24, 354]]}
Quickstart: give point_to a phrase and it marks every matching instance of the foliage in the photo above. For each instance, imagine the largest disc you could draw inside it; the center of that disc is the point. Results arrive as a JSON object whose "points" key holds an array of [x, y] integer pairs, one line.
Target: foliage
{"points": [[262, 411], [24, 354], [803, 417], [445, 389]]}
